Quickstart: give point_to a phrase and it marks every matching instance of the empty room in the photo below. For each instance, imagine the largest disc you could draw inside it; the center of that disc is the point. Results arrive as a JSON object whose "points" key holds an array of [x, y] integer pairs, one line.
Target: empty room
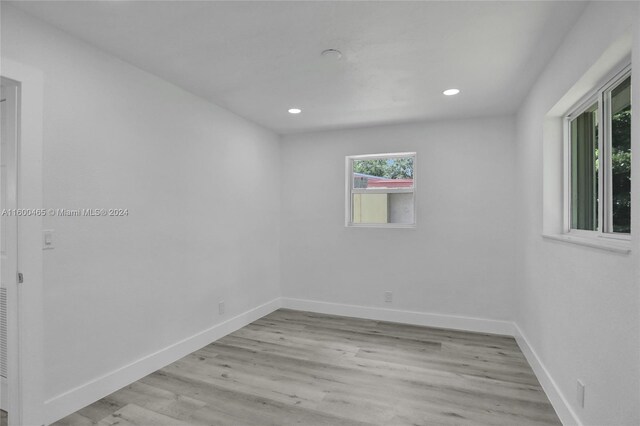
{"points": [[319, 213]]}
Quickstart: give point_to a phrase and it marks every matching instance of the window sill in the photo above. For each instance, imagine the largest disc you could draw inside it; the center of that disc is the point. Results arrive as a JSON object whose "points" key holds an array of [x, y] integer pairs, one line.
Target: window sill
{"points": [[611, 245], [382, 225]]}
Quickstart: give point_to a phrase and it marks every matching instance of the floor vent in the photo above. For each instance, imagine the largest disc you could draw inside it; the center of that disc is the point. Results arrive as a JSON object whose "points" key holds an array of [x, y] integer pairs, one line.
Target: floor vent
{"points": [[3, 332]]}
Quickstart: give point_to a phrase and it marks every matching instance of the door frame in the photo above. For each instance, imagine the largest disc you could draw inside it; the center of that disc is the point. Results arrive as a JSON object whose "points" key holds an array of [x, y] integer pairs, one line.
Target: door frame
{"points": [[10, 120], [26, 402]]}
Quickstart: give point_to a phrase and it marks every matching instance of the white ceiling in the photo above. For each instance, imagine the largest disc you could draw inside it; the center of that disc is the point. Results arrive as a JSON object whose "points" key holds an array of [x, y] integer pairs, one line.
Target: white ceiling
{"points": [[260, 58]]}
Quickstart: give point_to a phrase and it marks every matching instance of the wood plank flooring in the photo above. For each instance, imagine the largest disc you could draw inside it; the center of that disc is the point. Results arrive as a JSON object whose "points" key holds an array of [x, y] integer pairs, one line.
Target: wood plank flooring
{"points": [[300, 368]]}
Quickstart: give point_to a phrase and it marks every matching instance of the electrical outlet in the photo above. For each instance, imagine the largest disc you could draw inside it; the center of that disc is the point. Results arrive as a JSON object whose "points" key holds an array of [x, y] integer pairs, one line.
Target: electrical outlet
{"points": [[221, 307], [388, 296], [580, 393]]}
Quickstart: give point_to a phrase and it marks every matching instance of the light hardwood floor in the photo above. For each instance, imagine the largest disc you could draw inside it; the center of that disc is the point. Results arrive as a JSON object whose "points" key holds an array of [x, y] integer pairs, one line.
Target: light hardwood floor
{"points": [[294, 367]]}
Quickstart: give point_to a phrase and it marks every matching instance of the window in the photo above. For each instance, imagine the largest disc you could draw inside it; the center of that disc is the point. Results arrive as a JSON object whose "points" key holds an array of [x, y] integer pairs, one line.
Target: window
{"points": [[381, 190], [599, 162]]}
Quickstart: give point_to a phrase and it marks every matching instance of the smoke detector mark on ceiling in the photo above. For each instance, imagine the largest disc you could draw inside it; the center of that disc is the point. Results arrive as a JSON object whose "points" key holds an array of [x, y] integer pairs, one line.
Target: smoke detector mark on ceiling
{"points": [[334, 54]]}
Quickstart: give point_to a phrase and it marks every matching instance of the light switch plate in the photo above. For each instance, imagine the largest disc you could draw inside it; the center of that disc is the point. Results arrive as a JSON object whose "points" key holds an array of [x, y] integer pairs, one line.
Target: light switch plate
{"points": [[47, 239]]}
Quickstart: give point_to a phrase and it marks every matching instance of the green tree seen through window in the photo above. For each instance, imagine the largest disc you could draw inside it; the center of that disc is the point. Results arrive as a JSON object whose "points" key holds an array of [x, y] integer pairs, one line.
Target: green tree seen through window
{"points": [[388, 168]]}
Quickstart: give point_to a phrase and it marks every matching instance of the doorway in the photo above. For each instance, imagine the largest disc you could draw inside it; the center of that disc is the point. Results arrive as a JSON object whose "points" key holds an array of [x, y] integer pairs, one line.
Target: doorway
{"points": [[9, 368]]}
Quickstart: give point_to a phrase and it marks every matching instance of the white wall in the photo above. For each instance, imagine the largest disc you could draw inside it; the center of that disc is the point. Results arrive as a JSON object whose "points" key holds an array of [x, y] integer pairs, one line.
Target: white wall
{"points": [[459, 260], [201, 186], [578, 306]]}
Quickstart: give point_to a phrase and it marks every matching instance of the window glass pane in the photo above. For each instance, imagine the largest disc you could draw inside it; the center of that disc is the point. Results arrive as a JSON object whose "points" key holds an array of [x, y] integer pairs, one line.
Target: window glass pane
{"points": [[621, 156], [383, 173], [382, 208], [382, 189], [584, 170], [370, 208], [401, 208]]}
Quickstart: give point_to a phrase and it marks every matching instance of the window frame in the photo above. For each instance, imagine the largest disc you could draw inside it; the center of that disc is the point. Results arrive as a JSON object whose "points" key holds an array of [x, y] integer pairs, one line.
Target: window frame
{"points": [[350, 190], [601, 95]]}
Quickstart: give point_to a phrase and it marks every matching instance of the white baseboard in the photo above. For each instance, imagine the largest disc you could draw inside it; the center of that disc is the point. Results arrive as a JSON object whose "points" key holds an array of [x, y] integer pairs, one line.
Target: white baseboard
{"points": [[564, 411], [480, 325], [77, 398]]}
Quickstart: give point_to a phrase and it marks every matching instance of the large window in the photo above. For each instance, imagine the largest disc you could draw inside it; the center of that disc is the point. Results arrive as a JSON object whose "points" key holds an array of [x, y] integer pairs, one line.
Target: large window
{"points": [[381, 190], [599, 162]]}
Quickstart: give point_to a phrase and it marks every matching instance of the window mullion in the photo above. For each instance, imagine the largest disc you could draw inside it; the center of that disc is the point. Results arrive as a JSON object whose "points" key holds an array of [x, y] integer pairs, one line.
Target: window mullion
{"points": [[567, 176], [382, 190], [607, 165], [602, 168]]}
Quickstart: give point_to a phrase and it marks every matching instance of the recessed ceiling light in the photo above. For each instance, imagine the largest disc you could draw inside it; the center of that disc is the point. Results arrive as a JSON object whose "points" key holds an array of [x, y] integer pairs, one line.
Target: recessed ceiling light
{"points": [[295, 110], [451, 92]]}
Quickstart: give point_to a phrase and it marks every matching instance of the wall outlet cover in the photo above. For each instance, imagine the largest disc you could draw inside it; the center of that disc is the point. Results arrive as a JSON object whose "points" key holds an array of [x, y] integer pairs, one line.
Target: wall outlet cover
{"points": [[580, 393]]}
